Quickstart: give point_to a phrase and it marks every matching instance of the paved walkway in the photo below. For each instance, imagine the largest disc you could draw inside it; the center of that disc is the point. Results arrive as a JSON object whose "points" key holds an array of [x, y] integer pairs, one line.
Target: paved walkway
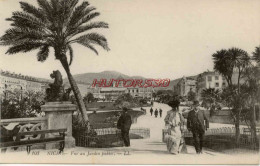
{"points": [[142, 151], [154, 144]]}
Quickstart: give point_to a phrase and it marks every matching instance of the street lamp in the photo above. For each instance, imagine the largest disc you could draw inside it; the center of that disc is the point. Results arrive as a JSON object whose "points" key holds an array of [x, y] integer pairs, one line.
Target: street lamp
{"points": [[21, 92], [5, 91]]}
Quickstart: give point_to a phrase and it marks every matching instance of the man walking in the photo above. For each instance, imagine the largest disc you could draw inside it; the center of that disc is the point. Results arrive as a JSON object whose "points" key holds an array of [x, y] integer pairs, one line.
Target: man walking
{"points": [[156, 113], [151, 111], [124, 124], [196, 124], [160, 111]]}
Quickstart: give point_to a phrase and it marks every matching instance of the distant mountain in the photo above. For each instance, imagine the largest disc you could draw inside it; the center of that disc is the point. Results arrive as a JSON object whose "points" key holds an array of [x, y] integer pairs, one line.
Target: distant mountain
{"points": [[87, 78]]}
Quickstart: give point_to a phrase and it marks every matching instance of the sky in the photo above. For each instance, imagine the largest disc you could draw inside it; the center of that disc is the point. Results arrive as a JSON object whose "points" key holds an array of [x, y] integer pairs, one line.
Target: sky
{"points": [[151, 38]]}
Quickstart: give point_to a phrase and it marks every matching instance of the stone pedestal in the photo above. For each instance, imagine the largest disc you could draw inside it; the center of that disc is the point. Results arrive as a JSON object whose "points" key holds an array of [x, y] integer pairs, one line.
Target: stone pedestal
{"points": [[59, 115]]}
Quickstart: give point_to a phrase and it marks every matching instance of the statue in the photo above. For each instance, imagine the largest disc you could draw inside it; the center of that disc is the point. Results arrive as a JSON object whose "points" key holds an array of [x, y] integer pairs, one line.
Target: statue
{"points": [[56, 91]]}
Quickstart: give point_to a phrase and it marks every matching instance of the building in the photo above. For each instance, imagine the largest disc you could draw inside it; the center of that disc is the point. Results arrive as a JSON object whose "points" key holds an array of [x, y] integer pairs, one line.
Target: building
{"points": [[185, 85], [210, 79], [141, 92], [16, 82], [83, 88], [114, 91]]}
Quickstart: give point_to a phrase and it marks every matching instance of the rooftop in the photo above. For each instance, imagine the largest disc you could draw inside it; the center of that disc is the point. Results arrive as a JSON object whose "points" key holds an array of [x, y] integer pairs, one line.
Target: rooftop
{"points": [[23, 77]]}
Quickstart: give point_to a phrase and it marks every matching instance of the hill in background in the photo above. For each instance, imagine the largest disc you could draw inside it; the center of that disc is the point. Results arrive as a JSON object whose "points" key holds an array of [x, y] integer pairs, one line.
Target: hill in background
{"points": [[87, 78]]}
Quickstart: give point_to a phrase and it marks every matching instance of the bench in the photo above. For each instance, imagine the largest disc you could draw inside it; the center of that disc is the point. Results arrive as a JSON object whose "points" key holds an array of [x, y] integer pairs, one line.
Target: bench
{"points": [[42, 140]]}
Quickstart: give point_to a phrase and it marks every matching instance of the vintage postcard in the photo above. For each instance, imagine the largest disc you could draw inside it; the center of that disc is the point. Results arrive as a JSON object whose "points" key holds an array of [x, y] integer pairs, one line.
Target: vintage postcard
{"points": [[130, 81]]}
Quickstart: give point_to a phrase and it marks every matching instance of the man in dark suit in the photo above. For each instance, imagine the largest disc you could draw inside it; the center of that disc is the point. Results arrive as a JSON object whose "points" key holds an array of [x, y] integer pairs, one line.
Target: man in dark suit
{"points": [[124, 124], [197, 123], [151, 111]]}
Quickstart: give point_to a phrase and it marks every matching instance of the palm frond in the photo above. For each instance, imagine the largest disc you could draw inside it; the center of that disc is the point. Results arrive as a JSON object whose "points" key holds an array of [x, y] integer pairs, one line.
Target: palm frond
{"points": [[90, 26], [36, 12], [43, 53], [26, 47], [88, 45], [68, 7], [23, 19], [57, 12], [47, 9], [21, 35], [256, 54], [71, 54], [77, 14], [94, 38], [86, 16]]}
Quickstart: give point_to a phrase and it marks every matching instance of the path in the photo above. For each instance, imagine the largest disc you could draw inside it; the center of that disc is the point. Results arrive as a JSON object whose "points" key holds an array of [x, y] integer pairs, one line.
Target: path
{"points": [[142, 151], [154, 144]]}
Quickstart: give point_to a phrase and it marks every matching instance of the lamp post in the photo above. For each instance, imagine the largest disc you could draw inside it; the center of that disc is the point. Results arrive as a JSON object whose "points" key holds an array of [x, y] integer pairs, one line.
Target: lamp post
{"points": [[21, 92], [5, 91]]}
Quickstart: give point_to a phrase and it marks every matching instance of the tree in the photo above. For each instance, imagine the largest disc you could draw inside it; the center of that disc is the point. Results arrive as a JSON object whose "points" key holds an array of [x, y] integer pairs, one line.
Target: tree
{"points": [[251, 91], [108, 97], [191, 96], [164, 95], [127, 97], [55, 24], [256, 54], [89, 98], [211, 99], [17, 107], [226, 62]]}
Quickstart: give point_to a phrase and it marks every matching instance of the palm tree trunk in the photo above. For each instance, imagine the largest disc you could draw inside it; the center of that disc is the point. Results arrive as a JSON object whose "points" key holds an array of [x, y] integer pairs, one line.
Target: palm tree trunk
{"points": [[75, 89], [253, 128], [237, 123]]}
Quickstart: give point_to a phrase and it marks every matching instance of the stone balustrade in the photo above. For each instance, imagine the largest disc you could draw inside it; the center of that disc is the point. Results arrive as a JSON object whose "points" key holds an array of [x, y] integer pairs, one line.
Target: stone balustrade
{"points": [[58, 115]]}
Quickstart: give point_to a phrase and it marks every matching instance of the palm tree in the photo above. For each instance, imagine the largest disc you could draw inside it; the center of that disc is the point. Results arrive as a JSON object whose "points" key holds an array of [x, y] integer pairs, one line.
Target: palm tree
{"points": [[222, 64], [256, 54], [251, 89], [210, 99], [55, 24], [226, 62]]}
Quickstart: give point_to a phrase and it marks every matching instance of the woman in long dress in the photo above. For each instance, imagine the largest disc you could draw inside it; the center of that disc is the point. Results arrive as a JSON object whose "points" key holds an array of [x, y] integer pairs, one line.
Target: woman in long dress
{"points": [[174, 122]]}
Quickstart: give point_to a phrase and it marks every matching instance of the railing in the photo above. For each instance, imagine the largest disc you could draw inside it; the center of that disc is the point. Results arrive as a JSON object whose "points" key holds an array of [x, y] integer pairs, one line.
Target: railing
{"points": [[26, 124], [224, 131], [107, 137], [141, 132], [106, 131], [224, 138]]}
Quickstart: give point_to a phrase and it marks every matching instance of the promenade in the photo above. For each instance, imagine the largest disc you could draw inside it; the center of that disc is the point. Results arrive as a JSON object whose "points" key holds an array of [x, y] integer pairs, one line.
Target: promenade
{"points": [[142, 151]]}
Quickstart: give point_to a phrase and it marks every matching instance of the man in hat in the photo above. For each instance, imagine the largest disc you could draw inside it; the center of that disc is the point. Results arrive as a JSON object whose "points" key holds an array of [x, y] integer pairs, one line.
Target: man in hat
{"points": [[197, 123], [124, 124], [151, 111]]}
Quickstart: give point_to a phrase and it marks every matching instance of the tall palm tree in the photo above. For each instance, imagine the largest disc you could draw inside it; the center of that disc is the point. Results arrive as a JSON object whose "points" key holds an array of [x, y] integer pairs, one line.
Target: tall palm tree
{"points": [[210, 98], [252, 95], [222, 65], [256, 55], [226, 62], [55, 24]]}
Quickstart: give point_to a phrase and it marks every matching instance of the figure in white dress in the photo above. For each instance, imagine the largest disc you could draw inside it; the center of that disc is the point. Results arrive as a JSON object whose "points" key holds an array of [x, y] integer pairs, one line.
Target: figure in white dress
{"points": [[174, 121]]}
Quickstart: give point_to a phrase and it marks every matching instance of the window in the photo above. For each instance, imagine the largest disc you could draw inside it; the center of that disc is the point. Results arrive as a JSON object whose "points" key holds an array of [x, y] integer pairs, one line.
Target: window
{"points": [[217, 84], [216, 77], [209, 78], [223, 84]]}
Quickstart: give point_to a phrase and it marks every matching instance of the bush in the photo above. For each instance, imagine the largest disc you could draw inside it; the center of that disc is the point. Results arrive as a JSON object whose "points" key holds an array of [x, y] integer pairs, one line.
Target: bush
{"points": [[29, 106]]}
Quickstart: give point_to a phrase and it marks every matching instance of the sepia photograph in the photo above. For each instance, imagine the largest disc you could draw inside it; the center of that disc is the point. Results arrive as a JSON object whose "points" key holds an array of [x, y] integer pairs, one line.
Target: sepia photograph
{"points": [[130, 82]]}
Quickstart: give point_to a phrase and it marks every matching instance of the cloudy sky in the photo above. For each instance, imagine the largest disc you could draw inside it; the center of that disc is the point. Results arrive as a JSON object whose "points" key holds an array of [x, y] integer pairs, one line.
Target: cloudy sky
{"points": [[152, 38]]}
